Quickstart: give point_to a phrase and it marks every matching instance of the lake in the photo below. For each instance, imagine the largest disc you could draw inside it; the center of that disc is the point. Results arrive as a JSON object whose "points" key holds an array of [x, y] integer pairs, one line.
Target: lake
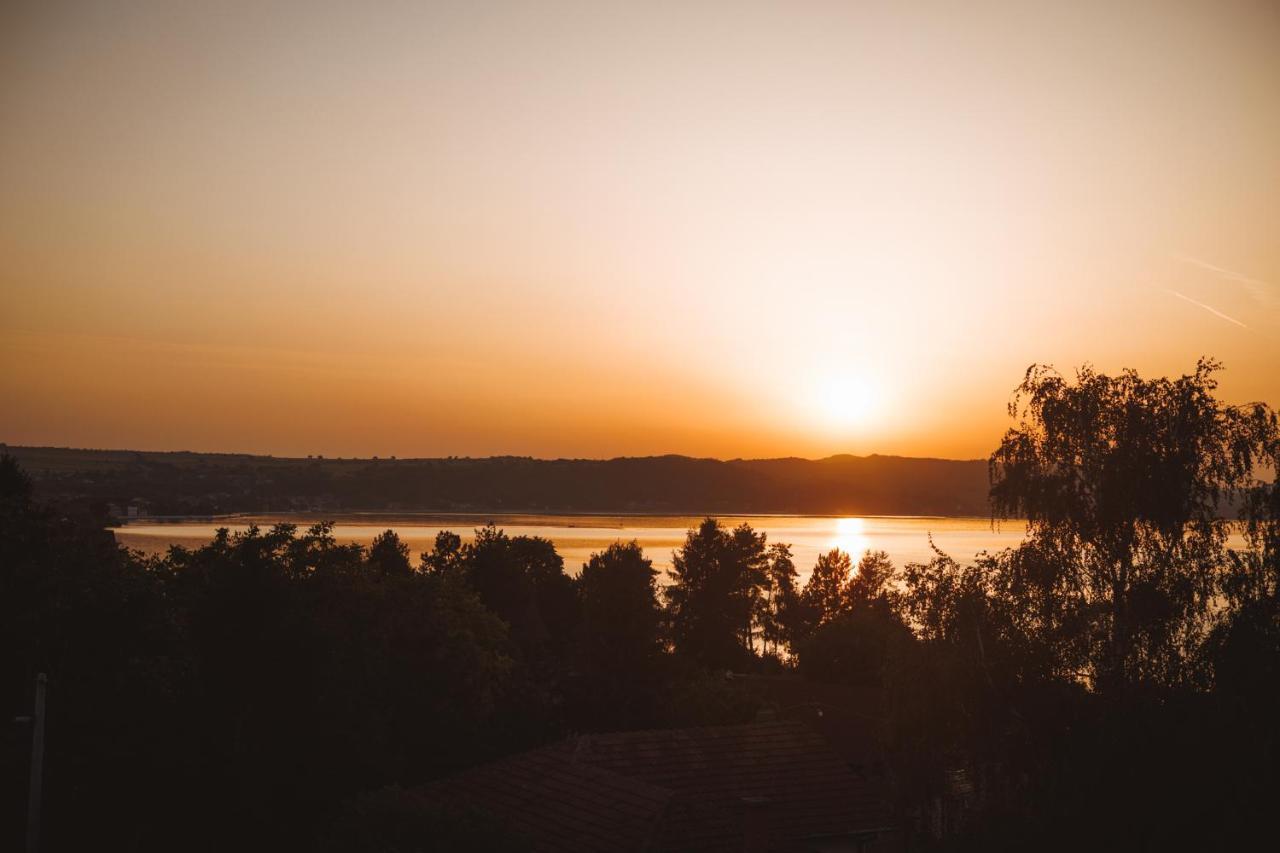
{"points": [[576, 537]]}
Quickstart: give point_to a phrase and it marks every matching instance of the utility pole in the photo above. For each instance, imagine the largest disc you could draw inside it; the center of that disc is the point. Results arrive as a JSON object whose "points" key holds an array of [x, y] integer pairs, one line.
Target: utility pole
{"points": [[37, 766]]}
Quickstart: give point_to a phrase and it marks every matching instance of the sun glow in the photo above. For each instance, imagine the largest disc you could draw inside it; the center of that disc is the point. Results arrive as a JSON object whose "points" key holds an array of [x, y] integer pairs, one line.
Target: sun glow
{"points": [[850, 536], [714, 229], [844, 402]]}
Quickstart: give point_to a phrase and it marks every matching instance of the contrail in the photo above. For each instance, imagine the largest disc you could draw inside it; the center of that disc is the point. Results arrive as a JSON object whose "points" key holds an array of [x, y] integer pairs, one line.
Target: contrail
{"points": [[1214, 311], [1225, 273], [1261, 290]]}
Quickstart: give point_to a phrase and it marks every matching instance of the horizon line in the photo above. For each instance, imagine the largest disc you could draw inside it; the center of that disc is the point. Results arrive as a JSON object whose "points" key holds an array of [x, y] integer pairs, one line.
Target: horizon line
{"points": [[4, 446]]}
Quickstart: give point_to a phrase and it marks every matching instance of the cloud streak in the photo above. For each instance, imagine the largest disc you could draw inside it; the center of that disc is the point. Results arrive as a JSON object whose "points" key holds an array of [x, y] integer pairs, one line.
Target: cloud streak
{"points": [[1264, 292], [1214, 311]]}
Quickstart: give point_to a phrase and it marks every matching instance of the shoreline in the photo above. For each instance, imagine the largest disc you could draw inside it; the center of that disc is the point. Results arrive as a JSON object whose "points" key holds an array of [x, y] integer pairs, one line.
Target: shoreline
{"points": [[483, 516]]}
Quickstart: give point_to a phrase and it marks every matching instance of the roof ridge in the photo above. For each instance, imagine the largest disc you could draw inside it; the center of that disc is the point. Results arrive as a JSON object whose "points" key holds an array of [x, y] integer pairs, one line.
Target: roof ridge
{"points": [[654, 788], [755, 724]]}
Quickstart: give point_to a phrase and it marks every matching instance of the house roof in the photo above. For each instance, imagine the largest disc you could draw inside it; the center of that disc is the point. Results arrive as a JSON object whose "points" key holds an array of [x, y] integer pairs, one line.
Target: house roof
{"points": [[851, 719], [676, 790], [560, 804]]}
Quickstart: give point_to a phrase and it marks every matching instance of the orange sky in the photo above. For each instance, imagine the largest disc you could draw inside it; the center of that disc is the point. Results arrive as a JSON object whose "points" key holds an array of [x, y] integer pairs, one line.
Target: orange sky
{"points": [[595, 229]]}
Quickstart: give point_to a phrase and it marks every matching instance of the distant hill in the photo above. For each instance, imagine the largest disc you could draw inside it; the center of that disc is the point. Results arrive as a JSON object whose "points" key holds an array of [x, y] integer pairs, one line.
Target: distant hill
{"points": [[184, 483]]}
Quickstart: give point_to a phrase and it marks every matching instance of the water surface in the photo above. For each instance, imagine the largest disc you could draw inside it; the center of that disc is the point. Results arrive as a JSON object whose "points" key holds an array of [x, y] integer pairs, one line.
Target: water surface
{"points": [[576, 537]]}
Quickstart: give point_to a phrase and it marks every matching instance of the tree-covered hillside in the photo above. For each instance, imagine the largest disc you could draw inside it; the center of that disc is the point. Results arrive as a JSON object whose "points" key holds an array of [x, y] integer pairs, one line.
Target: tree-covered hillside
{"points": [[207, 483]]}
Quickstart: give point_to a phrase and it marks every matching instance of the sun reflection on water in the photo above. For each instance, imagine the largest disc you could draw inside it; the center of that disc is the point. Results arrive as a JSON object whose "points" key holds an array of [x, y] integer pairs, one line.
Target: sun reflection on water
{"points": [[851, 537]]}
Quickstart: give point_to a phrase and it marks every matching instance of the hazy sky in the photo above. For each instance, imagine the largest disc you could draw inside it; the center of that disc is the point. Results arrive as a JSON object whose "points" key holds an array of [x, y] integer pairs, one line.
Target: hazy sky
{"points": [[594, 229]]}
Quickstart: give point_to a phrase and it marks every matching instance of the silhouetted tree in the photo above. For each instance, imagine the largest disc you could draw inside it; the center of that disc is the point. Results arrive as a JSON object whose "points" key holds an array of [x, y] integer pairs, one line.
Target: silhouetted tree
{"points": [[858, 647], [1122, 481], [446, 556], [859, 635], [317, 678], [1242, 656], [619, 645], [522, 580], [15, 485], [1069, 667], [824, 593], [491, 569], [620, 612], [554, 594], [389, 556], [873, 581], [317, 552], [1255, 570], [717, 578], [780, 614]]}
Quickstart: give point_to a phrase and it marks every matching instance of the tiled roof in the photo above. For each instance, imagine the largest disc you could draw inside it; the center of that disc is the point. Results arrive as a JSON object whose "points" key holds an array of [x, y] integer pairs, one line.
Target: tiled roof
{"points": [[676, 789], [851, 719], [810, 791], [562, 805]]}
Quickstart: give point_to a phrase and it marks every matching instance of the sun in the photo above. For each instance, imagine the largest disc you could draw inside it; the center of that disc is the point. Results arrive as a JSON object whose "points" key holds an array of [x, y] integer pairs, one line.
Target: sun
{"points": [[843, 402]]}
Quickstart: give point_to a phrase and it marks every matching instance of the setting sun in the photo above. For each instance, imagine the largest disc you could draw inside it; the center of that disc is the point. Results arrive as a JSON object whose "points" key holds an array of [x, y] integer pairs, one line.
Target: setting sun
{"points": [[846, 401]]}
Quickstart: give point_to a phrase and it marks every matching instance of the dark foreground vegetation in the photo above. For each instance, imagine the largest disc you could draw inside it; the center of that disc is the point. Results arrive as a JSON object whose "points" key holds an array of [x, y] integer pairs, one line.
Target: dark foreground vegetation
{"points": [[159, 484], [1112, 683]]}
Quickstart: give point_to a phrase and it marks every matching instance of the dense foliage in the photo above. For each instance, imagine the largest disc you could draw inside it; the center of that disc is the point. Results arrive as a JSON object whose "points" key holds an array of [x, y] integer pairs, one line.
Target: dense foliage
{"points": [[1123, 482], [1113, 682], [252, 686]]}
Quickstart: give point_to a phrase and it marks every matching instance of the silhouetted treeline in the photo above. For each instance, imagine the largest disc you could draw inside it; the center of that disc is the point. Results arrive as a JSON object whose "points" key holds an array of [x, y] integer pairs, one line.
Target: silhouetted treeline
{"points": [[1112, 683], [234, 696], [209, 484]]}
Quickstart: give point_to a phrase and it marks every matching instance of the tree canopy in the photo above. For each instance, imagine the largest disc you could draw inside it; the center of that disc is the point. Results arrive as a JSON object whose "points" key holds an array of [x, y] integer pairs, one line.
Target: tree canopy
{"points": [[717, 578], [1124, 483]]}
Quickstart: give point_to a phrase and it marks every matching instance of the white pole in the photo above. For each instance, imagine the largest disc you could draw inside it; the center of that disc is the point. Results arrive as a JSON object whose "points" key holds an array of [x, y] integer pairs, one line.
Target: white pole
{"points": [[37, 766]]}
